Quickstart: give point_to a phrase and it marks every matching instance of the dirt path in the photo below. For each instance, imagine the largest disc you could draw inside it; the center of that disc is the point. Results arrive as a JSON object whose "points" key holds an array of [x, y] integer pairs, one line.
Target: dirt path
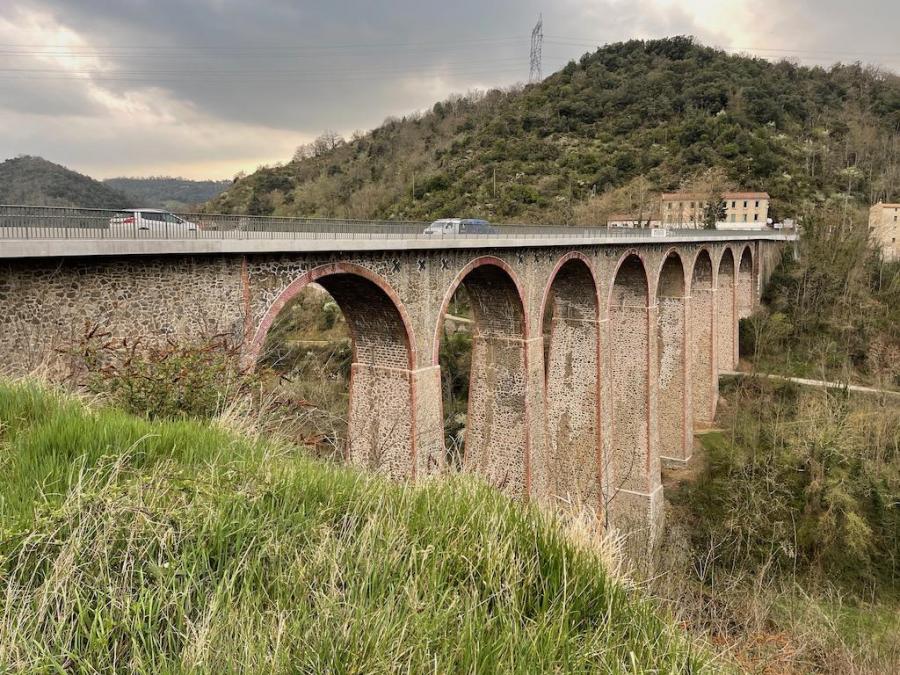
{"points": [[822, 384]]}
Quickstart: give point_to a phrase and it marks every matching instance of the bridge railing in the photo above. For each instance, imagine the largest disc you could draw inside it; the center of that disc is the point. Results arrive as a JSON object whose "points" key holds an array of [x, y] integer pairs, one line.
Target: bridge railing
{"points": [[20, 222]]}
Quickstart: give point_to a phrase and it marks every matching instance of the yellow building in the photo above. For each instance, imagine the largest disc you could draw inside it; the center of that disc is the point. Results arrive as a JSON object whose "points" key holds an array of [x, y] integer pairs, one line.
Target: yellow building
{"points": [[682, 209], [742, 209], [884, 226], [751, 208]]}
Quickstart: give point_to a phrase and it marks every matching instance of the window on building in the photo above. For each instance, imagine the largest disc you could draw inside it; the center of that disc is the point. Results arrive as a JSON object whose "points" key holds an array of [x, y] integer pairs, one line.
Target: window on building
{"points": [[757, 203], [756, 216], [731, 217], [745, 203], [733, 204], [692, 204], [745, 217]]}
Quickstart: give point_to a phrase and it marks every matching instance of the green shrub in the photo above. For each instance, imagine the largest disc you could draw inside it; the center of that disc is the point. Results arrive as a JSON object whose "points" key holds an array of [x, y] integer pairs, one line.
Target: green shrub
{"points": [[171, 380], [802, 480]]}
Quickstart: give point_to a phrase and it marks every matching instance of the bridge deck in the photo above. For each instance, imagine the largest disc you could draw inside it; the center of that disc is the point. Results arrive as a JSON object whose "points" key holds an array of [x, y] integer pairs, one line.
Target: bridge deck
{"points": [[51, 232], [258, 242]]}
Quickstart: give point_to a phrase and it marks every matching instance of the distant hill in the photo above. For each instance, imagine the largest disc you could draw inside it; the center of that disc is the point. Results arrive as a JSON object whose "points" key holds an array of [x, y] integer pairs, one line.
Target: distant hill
{"points": [[599, 134], [34, 180], [166, 192]]}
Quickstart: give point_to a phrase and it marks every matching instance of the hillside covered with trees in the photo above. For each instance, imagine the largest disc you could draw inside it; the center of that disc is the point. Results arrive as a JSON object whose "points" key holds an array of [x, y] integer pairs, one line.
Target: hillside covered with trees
{"points": [[166, 192], [600, 135], [36, 181]]}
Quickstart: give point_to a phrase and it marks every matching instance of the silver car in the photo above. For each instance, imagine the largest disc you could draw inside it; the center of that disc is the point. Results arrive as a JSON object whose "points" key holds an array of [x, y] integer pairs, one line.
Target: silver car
{"points": [[151, 222]]}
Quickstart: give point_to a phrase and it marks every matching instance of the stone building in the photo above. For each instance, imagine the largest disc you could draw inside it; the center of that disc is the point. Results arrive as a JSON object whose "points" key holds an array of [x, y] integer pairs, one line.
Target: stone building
{"points": [[682, 209], [743, 210], [884, 226]]}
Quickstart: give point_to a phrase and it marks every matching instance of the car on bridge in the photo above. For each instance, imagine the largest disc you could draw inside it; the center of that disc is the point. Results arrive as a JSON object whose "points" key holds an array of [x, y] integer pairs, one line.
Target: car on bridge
{"points": [[153, 222], [455, 226]]}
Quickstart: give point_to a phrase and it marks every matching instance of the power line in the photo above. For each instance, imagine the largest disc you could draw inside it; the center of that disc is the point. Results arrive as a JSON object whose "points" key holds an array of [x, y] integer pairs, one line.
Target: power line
{"points": [[300, 77], [213, 71], [75, 49]]}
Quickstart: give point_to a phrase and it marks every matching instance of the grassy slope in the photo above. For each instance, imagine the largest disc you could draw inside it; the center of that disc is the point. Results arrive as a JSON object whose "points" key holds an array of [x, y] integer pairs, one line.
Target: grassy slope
{"points": [[169, 546], [34, 180], [661, 110]]}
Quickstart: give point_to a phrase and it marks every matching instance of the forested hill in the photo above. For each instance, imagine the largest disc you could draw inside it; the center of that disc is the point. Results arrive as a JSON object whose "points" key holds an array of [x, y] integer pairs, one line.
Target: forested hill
{"points": [[628, 119], [34, 180], [165, 192]]}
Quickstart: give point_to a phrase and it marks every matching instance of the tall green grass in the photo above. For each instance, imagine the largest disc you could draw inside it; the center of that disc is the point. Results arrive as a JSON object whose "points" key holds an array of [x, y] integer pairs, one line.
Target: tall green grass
{"points": [[172, 547]]}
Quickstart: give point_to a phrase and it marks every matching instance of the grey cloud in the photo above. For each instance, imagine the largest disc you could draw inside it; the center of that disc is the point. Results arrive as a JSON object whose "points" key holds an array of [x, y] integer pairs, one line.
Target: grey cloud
{"points": [[306, 66], [300, 67]]}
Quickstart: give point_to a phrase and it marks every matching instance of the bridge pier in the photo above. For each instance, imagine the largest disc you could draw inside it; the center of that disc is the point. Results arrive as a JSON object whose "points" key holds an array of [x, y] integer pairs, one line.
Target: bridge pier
{"points": [[746, 283], [573, 468], [673, 327], [704, 371], [635, 483], [428, 432], [727, 315]]}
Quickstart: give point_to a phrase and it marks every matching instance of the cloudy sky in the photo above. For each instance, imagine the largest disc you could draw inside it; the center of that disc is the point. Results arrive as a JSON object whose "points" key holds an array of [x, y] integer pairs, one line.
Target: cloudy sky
{"points": [[206, 88]]}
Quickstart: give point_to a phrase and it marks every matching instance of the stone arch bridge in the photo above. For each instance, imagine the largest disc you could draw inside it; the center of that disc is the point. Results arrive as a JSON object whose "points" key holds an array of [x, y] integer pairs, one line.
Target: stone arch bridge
{"points": [[594, 356]]}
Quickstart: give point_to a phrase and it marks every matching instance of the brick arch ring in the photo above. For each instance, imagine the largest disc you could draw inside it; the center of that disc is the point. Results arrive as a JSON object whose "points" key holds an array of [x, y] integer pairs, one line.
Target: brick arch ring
{"points": [[685, 285], [298, 284], [725, 251], [693, 268], [572, 255], [625, 256], [487, 260]]}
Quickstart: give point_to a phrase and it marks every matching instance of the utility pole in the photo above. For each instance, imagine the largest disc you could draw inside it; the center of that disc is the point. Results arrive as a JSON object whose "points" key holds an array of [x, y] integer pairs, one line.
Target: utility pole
{"points": [[495, 182], [537, 42]]}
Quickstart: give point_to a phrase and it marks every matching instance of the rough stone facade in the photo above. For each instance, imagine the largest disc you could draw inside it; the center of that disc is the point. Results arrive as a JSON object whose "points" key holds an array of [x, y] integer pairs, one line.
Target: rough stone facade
{"points": [[727, 317], [630, 364], [572, 423], [704, 372], [673, 328]]}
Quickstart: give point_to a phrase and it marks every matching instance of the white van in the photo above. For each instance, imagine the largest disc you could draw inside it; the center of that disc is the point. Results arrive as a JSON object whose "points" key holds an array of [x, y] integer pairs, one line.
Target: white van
{"points": [[456, 226]]}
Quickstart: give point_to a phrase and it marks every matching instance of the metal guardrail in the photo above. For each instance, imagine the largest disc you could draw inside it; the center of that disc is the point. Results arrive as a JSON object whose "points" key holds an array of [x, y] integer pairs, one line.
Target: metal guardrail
{"points": [[18, 222]]}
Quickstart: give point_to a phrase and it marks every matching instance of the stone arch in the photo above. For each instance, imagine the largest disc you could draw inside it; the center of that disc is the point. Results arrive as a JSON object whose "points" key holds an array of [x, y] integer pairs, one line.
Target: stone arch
{"points": [[746, 288], [497, 435], [572, 462], [674, 423], [703, 371], [381, 419], [727, 317], [635, 472]]}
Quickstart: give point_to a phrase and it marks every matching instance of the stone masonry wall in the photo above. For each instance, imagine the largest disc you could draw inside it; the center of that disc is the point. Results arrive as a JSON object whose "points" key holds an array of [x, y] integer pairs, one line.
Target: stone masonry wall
{"points": [[746, 285], [572, 397], [48, 305], [628, 345], [703, 347], [727, 321], [673, 417]]}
